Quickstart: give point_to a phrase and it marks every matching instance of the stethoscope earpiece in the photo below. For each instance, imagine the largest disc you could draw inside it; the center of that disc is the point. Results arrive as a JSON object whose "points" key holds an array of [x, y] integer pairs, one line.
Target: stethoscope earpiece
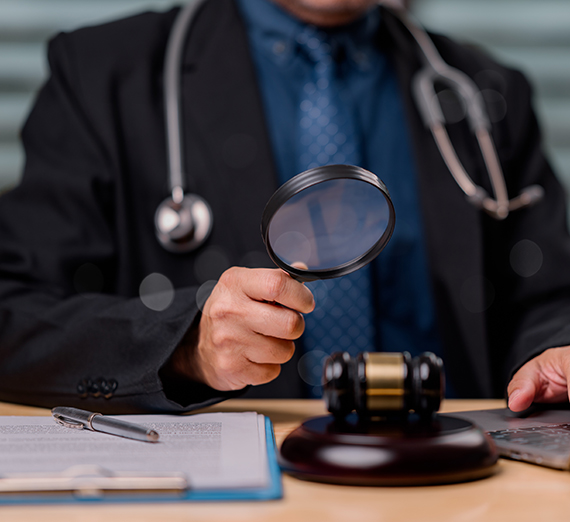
{"points": [[183, 227], [531, 195]]}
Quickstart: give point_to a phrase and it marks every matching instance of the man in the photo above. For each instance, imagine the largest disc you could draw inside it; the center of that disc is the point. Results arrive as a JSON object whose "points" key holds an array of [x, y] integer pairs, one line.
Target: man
{"points": [[78, 244]]}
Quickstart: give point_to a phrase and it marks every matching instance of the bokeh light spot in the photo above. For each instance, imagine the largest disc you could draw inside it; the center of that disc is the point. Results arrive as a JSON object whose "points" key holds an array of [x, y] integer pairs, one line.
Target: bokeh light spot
{"points": [[203, 293], [526, 258], [156, 292], [310, 367]]}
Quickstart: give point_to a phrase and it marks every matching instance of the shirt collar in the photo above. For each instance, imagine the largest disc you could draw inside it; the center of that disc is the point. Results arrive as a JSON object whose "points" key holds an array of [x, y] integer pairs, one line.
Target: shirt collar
{"points": [[274, 31]]}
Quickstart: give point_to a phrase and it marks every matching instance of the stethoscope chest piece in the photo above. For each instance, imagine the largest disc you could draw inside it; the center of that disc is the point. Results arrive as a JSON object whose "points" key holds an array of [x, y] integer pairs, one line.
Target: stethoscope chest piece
{"points": [[183, 226]]}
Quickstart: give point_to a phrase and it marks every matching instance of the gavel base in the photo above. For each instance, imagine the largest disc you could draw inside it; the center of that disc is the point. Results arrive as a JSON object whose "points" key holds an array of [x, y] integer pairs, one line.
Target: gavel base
{"points": [[388, 452]]}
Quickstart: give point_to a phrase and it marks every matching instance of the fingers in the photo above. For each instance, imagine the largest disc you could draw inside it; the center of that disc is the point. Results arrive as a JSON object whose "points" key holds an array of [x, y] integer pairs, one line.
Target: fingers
{"points": [[545, 378], [524, 387], [247, 328], [278, 287], [276, 321], [232, 309], [232, 363], [270, 351]]}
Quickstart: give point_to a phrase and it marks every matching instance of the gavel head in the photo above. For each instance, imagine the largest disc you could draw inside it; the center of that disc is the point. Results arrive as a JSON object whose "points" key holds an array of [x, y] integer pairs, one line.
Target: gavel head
{"points": [[379, 384]]}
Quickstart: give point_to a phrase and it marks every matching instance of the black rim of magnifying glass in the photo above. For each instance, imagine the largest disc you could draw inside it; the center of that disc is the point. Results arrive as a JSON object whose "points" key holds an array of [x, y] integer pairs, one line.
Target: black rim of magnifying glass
{"points": [[307, 179]]}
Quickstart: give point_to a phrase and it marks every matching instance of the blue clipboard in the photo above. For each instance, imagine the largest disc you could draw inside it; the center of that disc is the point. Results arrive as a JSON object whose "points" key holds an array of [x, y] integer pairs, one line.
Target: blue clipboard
{"points": [[273, 491]]}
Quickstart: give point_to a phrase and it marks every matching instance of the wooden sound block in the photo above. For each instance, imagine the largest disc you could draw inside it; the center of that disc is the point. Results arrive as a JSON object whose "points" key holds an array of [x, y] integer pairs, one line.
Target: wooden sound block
{"points": [[388, 452]]}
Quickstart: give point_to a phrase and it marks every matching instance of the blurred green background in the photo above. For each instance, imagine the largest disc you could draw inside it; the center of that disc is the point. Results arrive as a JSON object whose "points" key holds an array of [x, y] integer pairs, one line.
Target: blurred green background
{"points": [[531, 35]]}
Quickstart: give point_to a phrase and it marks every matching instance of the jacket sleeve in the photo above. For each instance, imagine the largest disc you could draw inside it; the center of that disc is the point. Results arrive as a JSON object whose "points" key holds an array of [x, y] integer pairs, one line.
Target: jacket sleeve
{"points": [[530, 252], [68, 335]]}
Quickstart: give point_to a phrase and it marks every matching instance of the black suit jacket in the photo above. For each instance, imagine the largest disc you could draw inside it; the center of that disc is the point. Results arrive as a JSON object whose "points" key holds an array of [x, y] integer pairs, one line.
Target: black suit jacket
{"points": [[77, 236]]}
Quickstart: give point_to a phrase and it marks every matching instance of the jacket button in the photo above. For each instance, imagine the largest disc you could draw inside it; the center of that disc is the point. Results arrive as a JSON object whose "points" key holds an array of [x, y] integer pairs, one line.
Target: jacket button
{"points": [[95, 388], [108, 387], [83, 388], [99, 388]]}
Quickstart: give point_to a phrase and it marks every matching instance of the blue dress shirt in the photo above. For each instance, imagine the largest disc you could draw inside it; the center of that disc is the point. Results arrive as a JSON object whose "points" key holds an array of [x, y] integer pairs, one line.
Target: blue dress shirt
{"points": [[405, 311]]}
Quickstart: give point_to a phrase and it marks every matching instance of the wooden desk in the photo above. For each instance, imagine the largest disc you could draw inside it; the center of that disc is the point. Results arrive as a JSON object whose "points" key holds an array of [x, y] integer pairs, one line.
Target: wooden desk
{"points": [[519, 492]]}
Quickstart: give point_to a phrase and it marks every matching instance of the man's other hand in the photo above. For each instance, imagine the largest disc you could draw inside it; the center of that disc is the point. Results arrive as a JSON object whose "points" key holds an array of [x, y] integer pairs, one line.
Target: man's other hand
{"points": [[545, 378]]}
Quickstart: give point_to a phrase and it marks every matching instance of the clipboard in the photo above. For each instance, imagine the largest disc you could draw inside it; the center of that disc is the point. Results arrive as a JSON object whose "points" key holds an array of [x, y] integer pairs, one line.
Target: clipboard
{"points": [[95, 484]]}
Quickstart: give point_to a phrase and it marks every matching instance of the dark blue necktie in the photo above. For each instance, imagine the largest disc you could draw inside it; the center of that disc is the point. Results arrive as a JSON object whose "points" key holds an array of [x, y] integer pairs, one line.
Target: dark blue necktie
{"points": [[343, 317]]}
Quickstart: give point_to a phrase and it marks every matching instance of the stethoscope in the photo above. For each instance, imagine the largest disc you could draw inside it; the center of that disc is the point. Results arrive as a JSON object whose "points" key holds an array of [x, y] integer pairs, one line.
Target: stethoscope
{"points": [[183, 221]]}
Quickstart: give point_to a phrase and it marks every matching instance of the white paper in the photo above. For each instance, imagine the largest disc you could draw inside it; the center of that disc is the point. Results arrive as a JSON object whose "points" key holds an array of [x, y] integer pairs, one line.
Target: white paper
{"points": [[214, 450]]}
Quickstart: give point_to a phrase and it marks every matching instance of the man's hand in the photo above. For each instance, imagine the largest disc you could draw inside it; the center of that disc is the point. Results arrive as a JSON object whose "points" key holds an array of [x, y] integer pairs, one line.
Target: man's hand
{"points": [[247, 329], [546, 378]]}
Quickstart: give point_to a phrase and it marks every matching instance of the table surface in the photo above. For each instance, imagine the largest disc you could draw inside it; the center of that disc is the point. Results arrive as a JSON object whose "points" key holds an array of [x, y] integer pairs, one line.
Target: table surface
{"points": [[518, 492]]}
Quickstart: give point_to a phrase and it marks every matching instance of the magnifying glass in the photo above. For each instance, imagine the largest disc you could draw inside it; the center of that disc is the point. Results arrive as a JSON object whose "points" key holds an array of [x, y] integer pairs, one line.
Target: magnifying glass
{"points": [[327, 222]]}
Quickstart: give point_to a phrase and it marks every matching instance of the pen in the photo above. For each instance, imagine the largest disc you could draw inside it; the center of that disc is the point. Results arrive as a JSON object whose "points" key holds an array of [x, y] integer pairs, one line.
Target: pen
{"points": [[81, 419]]}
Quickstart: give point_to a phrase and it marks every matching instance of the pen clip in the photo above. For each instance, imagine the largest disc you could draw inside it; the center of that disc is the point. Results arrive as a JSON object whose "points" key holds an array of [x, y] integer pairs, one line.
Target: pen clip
{"points": [[67, 422], [80, 420]]}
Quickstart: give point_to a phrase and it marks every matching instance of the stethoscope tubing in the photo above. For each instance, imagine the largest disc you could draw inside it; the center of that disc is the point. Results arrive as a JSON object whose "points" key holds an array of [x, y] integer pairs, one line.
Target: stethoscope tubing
{"points": [[172, 100], [423, 88]]}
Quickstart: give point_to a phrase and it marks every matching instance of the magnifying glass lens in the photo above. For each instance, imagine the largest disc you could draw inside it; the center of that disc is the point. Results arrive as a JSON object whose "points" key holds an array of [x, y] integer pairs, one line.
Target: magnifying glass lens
{"points": [[328, 222]]}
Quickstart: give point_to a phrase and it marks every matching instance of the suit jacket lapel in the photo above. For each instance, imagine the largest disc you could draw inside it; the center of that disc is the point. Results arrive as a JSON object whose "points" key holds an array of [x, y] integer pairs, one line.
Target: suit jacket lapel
{"points": [[224, 126]]}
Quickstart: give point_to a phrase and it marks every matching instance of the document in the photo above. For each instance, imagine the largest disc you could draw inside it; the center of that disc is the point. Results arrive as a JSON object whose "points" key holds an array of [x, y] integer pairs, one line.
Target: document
{"points": [[218, 455]]}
